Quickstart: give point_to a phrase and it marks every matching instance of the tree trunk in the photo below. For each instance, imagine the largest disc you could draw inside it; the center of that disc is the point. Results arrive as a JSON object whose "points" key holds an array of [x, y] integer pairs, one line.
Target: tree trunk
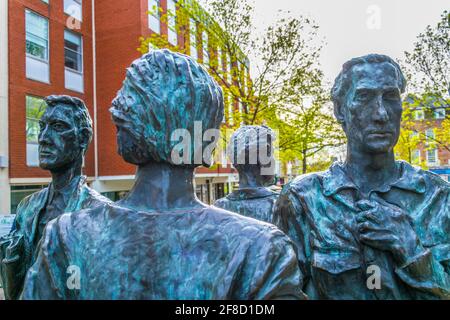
{"points": [[304, 163]]}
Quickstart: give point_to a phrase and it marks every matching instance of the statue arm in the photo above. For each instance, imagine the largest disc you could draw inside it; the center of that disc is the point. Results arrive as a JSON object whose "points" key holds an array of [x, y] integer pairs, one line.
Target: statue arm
{"points": [[13, 259], [279, 277], [45, 279], [429, 271], [288, 215]]}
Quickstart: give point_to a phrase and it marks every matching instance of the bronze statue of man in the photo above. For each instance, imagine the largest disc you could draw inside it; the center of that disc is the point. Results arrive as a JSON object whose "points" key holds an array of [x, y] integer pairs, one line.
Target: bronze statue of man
{"points": [[161, 242], [65, 134], [371, 227], [251, 153]]}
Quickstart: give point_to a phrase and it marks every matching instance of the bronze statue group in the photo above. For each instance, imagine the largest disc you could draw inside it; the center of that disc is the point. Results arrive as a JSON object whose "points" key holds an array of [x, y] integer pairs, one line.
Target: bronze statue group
{"points": [[318, 239]]}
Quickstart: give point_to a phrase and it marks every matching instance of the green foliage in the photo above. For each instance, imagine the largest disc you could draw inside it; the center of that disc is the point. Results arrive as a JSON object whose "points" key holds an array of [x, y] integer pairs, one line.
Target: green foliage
{"points": [[285, 73], [429, 62]]}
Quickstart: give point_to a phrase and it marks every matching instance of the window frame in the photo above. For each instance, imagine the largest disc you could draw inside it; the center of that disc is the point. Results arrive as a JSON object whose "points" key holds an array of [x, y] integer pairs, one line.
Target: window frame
{"points": [[193, 36], [81, 52], [27, 121], [171, 19], [47, 40], [80, 2], [157, 16]]}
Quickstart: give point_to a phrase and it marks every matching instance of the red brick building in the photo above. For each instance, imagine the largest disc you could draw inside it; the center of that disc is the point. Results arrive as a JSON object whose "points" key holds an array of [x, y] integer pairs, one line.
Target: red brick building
{"points": [[79, 48]]}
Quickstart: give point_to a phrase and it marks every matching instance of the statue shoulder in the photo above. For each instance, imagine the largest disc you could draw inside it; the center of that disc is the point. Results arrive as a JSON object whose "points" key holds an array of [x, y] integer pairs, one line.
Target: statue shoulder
{"points": [[243, 226], [92, 198], [431, 179], [30, 205], [304, 183]]}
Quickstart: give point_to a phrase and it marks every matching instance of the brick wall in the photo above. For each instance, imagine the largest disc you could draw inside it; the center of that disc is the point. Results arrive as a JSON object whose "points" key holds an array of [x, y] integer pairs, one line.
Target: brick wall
{"points": [[19, 86]]}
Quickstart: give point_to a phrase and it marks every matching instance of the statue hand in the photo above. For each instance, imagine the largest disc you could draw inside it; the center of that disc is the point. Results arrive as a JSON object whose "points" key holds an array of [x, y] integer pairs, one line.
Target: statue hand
{"points": [[387, 227]]}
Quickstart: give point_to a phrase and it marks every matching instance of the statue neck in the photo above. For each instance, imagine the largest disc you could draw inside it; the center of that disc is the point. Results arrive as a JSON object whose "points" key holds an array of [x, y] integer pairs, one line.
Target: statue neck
{"points": [[250, 178], [370, 171], [162, 187], [62, 177]]}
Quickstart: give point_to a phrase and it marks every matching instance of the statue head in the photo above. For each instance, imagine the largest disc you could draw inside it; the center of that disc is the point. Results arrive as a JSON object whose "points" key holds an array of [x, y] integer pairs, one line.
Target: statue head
{"points": [[65, 133], [368, 104], [251, 153], [163, 92]]}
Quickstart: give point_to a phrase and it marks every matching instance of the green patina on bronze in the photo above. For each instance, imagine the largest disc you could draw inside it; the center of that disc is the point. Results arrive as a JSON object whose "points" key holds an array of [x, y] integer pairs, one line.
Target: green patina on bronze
{"points": [[371, 212], [161, 242], [253, 199], [65, 134]]}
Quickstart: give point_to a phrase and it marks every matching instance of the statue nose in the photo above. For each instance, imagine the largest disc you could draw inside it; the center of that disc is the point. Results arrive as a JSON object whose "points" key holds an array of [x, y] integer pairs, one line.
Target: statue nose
{"points": [[380, 111]]}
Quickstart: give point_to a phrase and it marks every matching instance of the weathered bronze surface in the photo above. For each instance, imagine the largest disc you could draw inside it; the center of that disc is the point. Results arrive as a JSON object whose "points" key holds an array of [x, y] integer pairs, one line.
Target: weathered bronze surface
{"points": [[253, 199], [371, 216], [65, 134], [160, 242]]}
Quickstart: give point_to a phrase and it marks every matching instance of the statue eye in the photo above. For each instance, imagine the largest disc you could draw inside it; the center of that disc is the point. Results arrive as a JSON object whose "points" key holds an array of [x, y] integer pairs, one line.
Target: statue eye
{"points": [[58, 126], [391, 95], [362, 95]]}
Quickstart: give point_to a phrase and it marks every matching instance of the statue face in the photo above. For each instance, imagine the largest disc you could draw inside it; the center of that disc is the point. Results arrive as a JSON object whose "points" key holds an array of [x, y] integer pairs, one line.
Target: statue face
{"points": [[373, 109], [59, 143], [130, 141]]}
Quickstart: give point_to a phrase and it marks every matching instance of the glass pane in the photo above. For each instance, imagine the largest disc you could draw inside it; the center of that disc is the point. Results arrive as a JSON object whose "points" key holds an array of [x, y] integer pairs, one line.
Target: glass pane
{"points": [[153, 24], [36, 24], [72, 60], [73, 51], [35, 107], [72, 40], [36, 35], [32, 131], [36, 48], [205, 48], [73, 8]]}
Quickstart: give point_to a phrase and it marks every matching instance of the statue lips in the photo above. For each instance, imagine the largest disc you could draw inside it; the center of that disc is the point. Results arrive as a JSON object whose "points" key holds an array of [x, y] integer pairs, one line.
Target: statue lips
{"points": [[380, 134], [45, 153]]}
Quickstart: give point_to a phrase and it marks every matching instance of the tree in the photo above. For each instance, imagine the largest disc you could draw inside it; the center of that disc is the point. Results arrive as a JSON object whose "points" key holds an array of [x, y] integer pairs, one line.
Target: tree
{"points": [[428, 70], [429, 63], [285, 90]]}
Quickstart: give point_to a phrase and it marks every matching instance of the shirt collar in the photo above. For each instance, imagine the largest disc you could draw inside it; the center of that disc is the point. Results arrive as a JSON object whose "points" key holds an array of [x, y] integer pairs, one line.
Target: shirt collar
{"points": [[411, 179], [250, 193], [70, 190]]}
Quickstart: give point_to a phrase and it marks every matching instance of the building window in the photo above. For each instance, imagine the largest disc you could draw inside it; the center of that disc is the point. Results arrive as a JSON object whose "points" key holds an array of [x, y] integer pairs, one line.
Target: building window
{"points": [[35, 108], [415, 157], [227, 69], [74, 8], [419, 114], [155, 15], [439, 113], [432, 156], [18, 193], [429, 133], [193, 38], [171, 22], [205, 47], [73, 61], [220, 61], [37, 59]]}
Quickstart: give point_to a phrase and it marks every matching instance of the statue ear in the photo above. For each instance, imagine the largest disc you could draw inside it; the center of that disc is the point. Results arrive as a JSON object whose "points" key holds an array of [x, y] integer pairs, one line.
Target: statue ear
{"points": [[85, 138], [338, 112]]}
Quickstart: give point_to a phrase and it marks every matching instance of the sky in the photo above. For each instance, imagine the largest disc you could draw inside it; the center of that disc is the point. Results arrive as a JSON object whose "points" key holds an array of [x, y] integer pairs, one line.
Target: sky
{"points": [[353, 28]]}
